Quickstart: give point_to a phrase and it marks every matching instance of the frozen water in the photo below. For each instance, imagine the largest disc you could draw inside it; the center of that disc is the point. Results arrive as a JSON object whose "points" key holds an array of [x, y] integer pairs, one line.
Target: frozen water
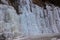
{"points": [[33, 20], [39, 20]]}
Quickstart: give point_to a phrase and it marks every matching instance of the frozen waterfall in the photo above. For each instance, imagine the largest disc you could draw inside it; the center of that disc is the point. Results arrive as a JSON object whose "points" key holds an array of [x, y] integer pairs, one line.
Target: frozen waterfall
{"points": [[33, 20]]}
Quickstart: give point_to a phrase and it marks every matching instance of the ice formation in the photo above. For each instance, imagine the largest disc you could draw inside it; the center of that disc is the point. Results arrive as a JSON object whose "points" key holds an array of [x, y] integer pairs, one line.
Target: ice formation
{"points": [[33, 20], [8, 20]]}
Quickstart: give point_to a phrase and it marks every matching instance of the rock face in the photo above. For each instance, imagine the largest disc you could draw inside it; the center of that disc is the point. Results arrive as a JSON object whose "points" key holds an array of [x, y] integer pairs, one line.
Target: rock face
{"points": [[33, 19]]}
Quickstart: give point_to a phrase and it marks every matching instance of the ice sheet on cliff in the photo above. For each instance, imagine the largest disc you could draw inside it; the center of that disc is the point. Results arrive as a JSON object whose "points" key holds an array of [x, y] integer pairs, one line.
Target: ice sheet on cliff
{"points": [[34, 20]]}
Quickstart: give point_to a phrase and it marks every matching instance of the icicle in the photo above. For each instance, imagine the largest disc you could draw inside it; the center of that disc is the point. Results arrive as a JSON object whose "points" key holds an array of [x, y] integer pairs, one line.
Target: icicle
{"points": [[56, 17], [59, 19], [51, 20], [48, 26], [37, 16]]}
